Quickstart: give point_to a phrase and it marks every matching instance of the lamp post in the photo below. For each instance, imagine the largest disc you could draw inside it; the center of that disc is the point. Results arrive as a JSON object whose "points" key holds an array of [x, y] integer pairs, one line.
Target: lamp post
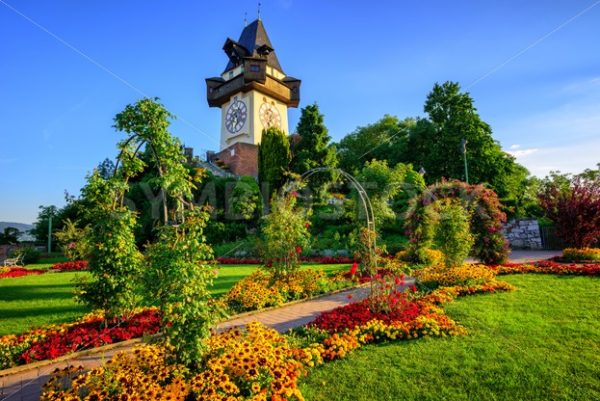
{"points": [[49, 234], [463, 147]]}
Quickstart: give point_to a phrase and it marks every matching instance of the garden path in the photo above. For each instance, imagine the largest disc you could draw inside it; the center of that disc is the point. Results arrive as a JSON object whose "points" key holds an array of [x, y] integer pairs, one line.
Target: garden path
{"points": [[26, 385]]}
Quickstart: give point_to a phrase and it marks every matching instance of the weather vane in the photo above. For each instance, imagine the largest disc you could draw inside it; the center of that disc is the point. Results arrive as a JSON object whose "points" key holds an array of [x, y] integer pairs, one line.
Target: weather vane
{"points": [[245, 18]]}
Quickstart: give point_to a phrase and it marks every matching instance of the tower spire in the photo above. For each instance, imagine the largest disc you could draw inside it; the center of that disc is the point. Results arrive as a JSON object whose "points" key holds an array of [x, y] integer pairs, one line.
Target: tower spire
{"points": [[245, 18], [258, 11]]}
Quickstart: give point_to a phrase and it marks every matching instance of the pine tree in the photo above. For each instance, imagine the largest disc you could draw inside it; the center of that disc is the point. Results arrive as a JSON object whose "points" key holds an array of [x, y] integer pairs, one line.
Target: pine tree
{"points": [[274, 158], [313, 149]]}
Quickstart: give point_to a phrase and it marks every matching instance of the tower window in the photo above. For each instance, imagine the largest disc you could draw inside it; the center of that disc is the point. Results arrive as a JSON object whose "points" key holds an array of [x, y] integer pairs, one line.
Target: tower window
{"points": [[254, 68]]}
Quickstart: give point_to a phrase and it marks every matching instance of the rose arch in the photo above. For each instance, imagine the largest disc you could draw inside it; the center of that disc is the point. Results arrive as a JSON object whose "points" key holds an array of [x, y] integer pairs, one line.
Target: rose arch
{"points": [[486, 219]]}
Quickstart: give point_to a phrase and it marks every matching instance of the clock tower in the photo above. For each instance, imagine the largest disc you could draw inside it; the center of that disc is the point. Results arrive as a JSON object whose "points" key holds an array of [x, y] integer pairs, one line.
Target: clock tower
{"points": [[254, 94]]}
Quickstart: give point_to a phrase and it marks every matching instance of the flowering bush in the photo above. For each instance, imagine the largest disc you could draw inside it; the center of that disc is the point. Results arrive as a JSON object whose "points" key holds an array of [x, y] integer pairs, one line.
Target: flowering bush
{"points": [[54, 341], [549, 267], [581, 254], [71, 266], [467, 274], [18, 271]]}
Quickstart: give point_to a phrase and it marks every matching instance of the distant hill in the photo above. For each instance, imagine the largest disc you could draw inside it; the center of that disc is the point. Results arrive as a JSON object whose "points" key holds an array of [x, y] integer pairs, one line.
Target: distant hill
{"points": [[19, 226]]}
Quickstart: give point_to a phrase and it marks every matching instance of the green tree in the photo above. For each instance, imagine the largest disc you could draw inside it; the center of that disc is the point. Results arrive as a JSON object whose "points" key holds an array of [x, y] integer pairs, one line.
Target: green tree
{"points": [[384, 140], [435, 143], [274, 157], [313, 148], [72, 240]]}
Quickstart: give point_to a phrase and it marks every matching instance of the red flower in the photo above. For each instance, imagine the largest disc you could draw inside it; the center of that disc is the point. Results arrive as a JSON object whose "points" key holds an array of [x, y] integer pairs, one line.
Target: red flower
{"points": [[353, 269], [298, 249], [294, 194], [413, 288], [349, 296], [307, 225]]}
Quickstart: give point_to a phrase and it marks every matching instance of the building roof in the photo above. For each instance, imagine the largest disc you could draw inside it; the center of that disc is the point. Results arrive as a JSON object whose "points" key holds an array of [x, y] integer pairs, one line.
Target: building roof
{"points": [[255, 43]]}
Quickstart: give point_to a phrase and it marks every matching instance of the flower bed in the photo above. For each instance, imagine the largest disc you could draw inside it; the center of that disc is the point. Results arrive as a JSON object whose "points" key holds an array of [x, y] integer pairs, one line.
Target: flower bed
{"points": [[548, 267], [259, 290], [18, 271], [76, 265], [581, 255], [255, 363], [325, 260], [89, 332]]}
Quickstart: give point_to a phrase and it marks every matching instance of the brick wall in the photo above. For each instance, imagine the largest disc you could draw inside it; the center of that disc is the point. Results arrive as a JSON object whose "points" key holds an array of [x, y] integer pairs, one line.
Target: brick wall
{"points": [[240, 158]]}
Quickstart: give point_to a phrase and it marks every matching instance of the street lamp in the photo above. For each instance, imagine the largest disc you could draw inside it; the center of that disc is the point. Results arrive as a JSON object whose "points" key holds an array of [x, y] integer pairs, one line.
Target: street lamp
{"points": [[463, 147], [422, 170]]}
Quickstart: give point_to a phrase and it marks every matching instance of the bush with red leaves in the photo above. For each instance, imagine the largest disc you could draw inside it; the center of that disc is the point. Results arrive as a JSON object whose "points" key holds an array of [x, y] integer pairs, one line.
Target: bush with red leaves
{"points": [[576, 211], [76, 265]]}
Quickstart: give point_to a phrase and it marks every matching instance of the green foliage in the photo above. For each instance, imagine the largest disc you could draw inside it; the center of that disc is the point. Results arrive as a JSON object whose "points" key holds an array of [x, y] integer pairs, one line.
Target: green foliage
{"points": [[114, 260], [274, 157], [72, 240], [313, 149], [453, 232], [29, 254], [9, 236], [284, 235], [383, 184], [178, 278], [384, 140], [246, 199], [489, 246]]}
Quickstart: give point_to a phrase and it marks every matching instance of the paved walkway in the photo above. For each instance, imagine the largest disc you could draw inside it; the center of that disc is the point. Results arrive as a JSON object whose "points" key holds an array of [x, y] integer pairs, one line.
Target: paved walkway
{"points": [[26, 385]]}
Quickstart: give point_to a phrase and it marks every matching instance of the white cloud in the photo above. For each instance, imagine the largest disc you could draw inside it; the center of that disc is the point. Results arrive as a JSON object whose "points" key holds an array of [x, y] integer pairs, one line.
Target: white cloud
{"points": [[568, 159], [515, 146], [522, 152]]}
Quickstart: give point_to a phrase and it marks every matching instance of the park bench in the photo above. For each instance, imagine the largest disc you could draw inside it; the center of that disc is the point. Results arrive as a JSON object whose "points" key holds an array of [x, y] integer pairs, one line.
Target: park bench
{"points": [[13, 261]]}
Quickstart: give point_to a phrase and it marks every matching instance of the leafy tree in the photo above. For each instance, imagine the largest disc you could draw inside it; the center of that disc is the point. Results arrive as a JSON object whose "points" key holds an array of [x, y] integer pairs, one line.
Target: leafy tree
{"points": [[9, 236], [435, 143], [313, 149], [274, 158], [114, 259], [285, 234], [575, 211], [384, 140]]}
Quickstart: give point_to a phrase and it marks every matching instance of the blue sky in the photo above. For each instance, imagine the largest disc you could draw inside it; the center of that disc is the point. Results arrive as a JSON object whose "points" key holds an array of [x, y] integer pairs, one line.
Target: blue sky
{"points": [[67, 67]]}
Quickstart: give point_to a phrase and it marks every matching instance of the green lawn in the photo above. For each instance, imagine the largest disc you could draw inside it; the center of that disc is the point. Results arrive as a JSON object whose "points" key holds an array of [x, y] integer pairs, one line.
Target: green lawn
{"points": [[34, 301], [541, 342]]}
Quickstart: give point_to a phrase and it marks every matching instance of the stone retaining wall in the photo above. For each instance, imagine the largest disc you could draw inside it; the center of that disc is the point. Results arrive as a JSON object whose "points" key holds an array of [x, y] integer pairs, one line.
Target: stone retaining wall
{"points": [[523, 234]]}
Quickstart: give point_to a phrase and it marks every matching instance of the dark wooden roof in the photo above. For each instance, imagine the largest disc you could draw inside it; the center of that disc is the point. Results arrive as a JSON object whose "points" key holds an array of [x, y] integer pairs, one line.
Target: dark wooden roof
{"points": [[254, 42]]}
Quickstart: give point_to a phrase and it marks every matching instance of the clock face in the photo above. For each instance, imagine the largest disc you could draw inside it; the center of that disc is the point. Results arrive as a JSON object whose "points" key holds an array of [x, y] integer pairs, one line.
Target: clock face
{"points": [[269, 115], [236, 116]]}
